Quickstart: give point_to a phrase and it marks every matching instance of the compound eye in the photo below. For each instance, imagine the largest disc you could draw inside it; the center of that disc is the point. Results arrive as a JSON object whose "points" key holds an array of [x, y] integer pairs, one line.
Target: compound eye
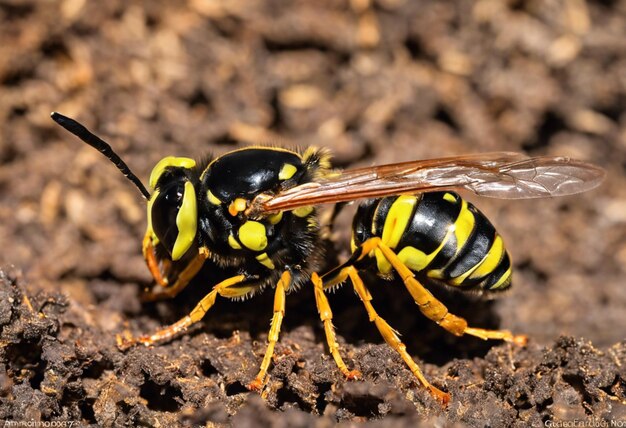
{"points": [[164, 212]]}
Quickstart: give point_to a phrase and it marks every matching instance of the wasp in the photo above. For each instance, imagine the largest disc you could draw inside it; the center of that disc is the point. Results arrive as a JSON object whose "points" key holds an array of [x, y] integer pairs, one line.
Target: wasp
{"points": [[252, 212]]}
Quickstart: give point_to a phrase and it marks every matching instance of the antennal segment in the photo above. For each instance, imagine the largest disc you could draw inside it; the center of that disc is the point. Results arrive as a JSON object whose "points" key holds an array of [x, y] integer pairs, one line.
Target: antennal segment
{"points": [[97, 143]]}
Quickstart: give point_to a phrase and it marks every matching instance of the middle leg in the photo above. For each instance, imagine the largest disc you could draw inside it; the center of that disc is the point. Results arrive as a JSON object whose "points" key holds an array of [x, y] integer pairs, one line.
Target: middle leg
{"points": [[326, 315], [433, 308], [272, 337]]}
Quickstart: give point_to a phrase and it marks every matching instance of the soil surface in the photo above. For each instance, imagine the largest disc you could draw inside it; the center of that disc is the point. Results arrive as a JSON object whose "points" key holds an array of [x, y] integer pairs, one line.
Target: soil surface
{"points": [[374, 81]]}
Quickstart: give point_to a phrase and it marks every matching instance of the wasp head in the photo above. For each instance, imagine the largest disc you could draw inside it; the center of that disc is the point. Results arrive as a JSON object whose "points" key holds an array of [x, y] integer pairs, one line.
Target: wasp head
{"points": [[172, 208]]}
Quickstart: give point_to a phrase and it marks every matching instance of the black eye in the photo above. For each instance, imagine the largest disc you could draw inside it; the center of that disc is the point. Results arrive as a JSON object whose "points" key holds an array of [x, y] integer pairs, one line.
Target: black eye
{"points": [[164, 212]]}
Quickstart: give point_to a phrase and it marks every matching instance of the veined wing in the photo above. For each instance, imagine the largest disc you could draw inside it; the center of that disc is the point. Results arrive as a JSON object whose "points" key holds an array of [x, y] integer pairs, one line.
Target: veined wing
{"points": [[502, 175]]}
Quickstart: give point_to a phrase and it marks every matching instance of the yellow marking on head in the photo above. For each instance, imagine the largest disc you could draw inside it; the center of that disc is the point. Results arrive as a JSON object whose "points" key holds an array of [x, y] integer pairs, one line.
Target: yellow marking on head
{"points": [[237, 206], [287, 171], [353, 246], [252, 235], [187, 222], [491, 260], [504, 281], [212, 198], [397, 220], [265, 261], [153, 198], [169, 161], [463, 226], [449, 197], [233, 243], [275, 218], [303, 211]]}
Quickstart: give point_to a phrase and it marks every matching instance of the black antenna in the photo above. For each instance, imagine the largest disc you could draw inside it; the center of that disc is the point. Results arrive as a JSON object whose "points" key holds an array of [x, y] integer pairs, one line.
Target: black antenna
{"points": [[94, 141]]}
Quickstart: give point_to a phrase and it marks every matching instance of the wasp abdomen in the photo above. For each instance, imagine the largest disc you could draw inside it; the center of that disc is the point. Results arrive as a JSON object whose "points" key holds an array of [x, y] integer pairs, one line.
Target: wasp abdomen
{"points": [[438, 234]]}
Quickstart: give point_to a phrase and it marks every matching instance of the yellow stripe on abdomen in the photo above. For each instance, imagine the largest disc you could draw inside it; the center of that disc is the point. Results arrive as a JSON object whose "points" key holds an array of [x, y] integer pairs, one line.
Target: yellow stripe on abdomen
{"points": [[491, 260], [396, 222], [463, 226]]}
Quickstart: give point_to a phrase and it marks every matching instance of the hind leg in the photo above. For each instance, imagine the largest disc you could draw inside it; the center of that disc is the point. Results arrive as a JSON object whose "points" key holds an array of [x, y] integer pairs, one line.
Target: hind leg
{"points": [[433, 308]]}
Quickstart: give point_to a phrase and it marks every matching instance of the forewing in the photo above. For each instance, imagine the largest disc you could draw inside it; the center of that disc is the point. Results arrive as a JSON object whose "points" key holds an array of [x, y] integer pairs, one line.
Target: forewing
{"points": [[498, 175]]}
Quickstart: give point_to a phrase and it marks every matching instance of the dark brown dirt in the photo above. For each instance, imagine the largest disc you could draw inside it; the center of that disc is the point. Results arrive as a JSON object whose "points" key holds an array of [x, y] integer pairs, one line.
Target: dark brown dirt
{"points": [[376, 82]]}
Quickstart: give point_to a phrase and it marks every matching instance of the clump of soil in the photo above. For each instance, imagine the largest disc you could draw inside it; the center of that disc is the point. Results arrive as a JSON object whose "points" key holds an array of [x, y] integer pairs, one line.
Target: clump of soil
{"points": [[60, 364]]}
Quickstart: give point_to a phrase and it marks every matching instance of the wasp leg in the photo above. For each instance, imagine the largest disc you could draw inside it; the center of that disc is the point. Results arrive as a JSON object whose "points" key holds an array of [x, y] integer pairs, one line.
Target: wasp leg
{"points": [[390, 335], [326, 315], [272, 337], [223, 289], [433, 308], [153, 265], [181, 282]]}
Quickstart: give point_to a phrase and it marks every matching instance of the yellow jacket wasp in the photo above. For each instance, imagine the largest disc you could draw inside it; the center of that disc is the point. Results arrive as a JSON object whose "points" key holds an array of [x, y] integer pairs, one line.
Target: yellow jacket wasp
{"points": [[252, 212]]}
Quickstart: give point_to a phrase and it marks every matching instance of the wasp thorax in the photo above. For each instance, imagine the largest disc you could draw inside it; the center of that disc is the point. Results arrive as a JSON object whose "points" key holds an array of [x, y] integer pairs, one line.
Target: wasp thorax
{"points": [[239, 176]]}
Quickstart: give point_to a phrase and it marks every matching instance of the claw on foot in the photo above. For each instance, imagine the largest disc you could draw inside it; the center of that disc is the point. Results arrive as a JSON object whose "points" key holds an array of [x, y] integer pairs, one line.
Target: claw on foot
{"points": [[520, 340], [353, 375], [256, 385], [125, 341], [442, 397]]}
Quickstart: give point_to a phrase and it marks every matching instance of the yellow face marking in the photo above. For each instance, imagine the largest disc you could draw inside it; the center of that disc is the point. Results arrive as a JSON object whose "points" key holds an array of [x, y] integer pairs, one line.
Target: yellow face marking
{"points": [[168, 161], [265, 261], [252, 235], [153, 198], [463, 226], [237, 206], [233, 243], [397, 220], [491, 260], [275, 218], [353, 246], [212, 198], [287, 171], [303, 211], [187, 222]]}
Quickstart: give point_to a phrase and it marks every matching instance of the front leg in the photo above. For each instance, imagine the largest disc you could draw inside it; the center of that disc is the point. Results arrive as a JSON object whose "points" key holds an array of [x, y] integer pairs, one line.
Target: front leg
{"points": [[326, 315], [223, 289], [170, 291]]}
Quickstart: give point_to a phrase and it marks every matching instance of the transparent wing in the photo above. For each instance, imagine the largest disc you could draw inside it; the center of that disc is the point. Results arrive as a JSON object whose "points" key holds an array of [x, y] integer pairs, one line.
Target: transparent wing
{"points": [[498, 175]]}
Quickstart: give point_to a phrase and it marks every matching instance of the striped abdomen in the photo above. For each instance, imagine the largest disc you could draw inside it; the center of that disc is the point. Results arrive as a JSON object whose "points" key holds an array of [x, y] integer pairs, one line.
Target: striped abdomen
{"points": [[439, 234]]}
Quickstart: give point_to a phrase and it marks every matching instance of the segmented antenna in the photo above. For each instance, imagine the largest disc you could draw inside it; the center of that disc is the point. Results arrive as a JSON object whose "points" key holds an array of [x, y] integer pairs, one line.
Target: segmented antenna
{"points": [[94, 141]]}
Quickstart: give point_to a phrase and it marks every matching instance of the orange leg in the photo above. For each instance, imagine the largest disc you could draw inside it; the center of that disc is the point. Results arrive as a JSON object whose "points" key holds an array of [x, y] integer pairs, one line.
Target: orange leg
{"points": [[223, 289], [326, 315], [433, 308], [150, 257], [390, 335], [272, 337], [183, 279]]}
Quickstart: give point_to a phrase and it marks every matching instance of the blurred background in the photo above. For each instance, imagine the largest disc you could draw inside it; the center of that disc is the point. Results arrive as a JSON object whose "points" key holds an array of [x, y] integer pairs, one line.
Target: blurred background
{"points": [[375, 81]]}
